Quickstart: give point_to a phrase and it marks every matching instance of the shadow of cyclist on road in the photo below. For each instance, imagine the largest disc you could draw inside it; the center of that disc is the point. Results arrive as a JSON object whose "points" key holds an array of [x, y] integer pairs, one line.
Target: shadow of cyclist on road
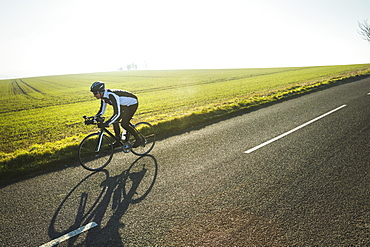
{"points": [[104, 200]]}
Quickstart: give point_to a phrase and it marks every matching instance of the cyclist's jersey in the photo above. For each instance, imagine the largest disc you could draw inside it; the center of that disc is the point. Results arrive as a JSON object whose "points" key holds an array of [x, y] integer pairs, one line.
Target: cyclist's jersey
{"points": [[116, 98]]}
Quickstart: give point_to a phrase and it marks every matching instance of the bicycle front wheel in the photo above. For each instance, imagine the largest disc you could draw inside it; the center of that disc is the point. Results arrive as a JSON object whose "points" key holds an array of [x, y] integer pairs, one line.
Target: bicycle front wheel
{"points": [[95, 151], [146, 132]]}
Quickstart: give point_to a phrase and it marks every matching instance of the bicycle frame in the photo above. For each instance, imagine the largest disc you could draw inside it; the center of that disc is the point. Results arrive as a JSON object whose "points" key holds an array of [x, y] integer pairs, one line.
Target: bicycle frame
{"points": [[104, 129]]}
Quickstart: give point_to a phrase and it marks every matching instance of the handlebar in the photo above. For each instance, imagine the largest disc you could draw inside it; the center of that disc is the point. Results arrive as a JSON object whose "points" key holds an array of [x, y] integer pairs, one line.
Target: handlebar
{"points": [[93, 120]]}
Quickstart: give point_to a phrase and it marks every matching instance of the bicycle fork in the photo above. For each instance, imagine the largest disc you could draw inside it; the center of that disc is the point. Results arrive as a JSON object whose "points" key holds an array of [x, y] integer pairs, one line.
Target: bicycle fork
{"points": [[100, 140]]}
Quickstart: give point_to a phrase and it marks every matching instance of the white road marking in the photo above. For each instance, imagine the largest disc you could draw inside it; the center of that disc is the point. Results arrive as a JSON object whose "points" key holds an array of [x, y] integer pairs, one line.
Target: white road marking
{"points": [[70, 235], [291, 131]]}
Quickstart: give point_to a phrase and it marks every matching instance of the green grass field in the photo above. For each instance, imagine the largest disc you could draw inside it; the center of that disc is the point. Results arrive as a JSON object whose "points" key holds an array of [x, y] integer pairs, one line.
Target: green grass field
{"points": [[43, 114]]}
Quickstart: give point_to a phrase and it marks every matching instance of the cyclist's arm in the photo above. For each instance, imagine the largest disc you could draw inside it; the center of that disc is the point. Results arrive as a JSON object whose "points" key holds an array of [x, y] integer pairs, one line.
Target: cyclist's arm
{"points": [[103, 106], [114, 99]]}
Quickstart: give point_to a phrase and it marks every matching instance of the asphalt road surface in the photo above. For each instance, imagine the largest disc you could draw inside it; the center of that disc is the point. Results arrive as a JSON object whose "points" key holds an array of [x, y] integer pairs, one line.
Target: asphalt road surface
{"points": [[308, 187]]}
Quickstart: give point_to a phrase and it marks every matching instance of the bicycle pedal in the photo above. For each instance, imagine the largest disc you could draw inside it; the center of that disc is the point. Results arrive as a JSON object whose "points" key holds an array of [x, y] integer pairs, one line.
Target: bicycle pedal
{"points": [[126, 148]]}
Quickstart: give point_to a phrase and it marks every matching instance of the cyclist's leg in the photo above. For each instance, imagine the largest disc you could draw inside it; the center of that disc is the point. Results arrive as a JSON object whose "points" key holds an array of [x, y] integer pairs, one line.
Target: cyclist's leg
{"points": [[127, 114], [117, 133], [117, 130]]}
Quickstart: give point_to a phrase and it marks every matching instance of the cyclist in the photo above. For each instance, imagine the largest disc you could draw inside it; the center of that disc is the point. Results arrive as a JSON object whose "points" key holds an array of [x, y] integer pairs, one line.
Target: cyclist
{"points": [[124, 105]]}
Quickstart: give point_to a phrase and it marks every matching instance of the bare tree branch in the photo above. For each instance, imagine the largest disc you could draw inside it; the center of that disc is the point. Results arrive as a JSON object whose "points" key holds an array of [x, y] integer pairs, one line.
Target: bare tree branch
{"points": [[364, 30]]}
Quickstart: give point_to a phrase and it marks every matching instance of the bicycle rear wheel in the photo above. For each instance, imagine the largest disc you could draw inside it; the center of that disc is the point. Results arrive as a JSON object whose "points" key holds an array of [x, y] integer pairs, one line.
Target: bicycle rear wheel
{"points": [[146, 132], [91, 156]]}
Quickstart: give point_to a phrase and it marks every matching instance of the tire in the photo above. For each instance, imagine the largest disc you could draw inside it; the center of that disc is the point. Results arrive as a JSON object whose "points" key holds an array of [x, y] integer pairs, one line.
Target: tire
{"points": [[91, 160], [146, 131]]}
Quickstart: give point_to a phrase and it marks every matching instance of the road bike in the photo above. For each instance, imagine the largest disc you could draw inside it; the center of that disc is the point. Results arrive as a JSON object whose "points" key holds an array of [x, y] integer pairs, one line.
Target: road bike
{"points": [[96, 150]]}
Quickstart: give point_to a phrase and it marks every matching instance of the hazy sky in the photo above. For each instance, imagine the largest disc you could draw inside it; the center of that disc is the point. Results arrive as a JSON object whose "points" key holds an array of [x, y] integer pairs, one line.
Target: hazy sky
{"points": [[43, 37]]}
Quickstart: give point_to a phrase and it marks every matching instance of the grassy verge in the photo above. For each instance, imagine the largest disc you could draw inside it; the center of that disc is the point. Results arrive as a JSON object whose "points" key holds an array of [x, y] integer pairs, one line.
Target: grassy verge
{"points": [[54, 155], [211, 113]]}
